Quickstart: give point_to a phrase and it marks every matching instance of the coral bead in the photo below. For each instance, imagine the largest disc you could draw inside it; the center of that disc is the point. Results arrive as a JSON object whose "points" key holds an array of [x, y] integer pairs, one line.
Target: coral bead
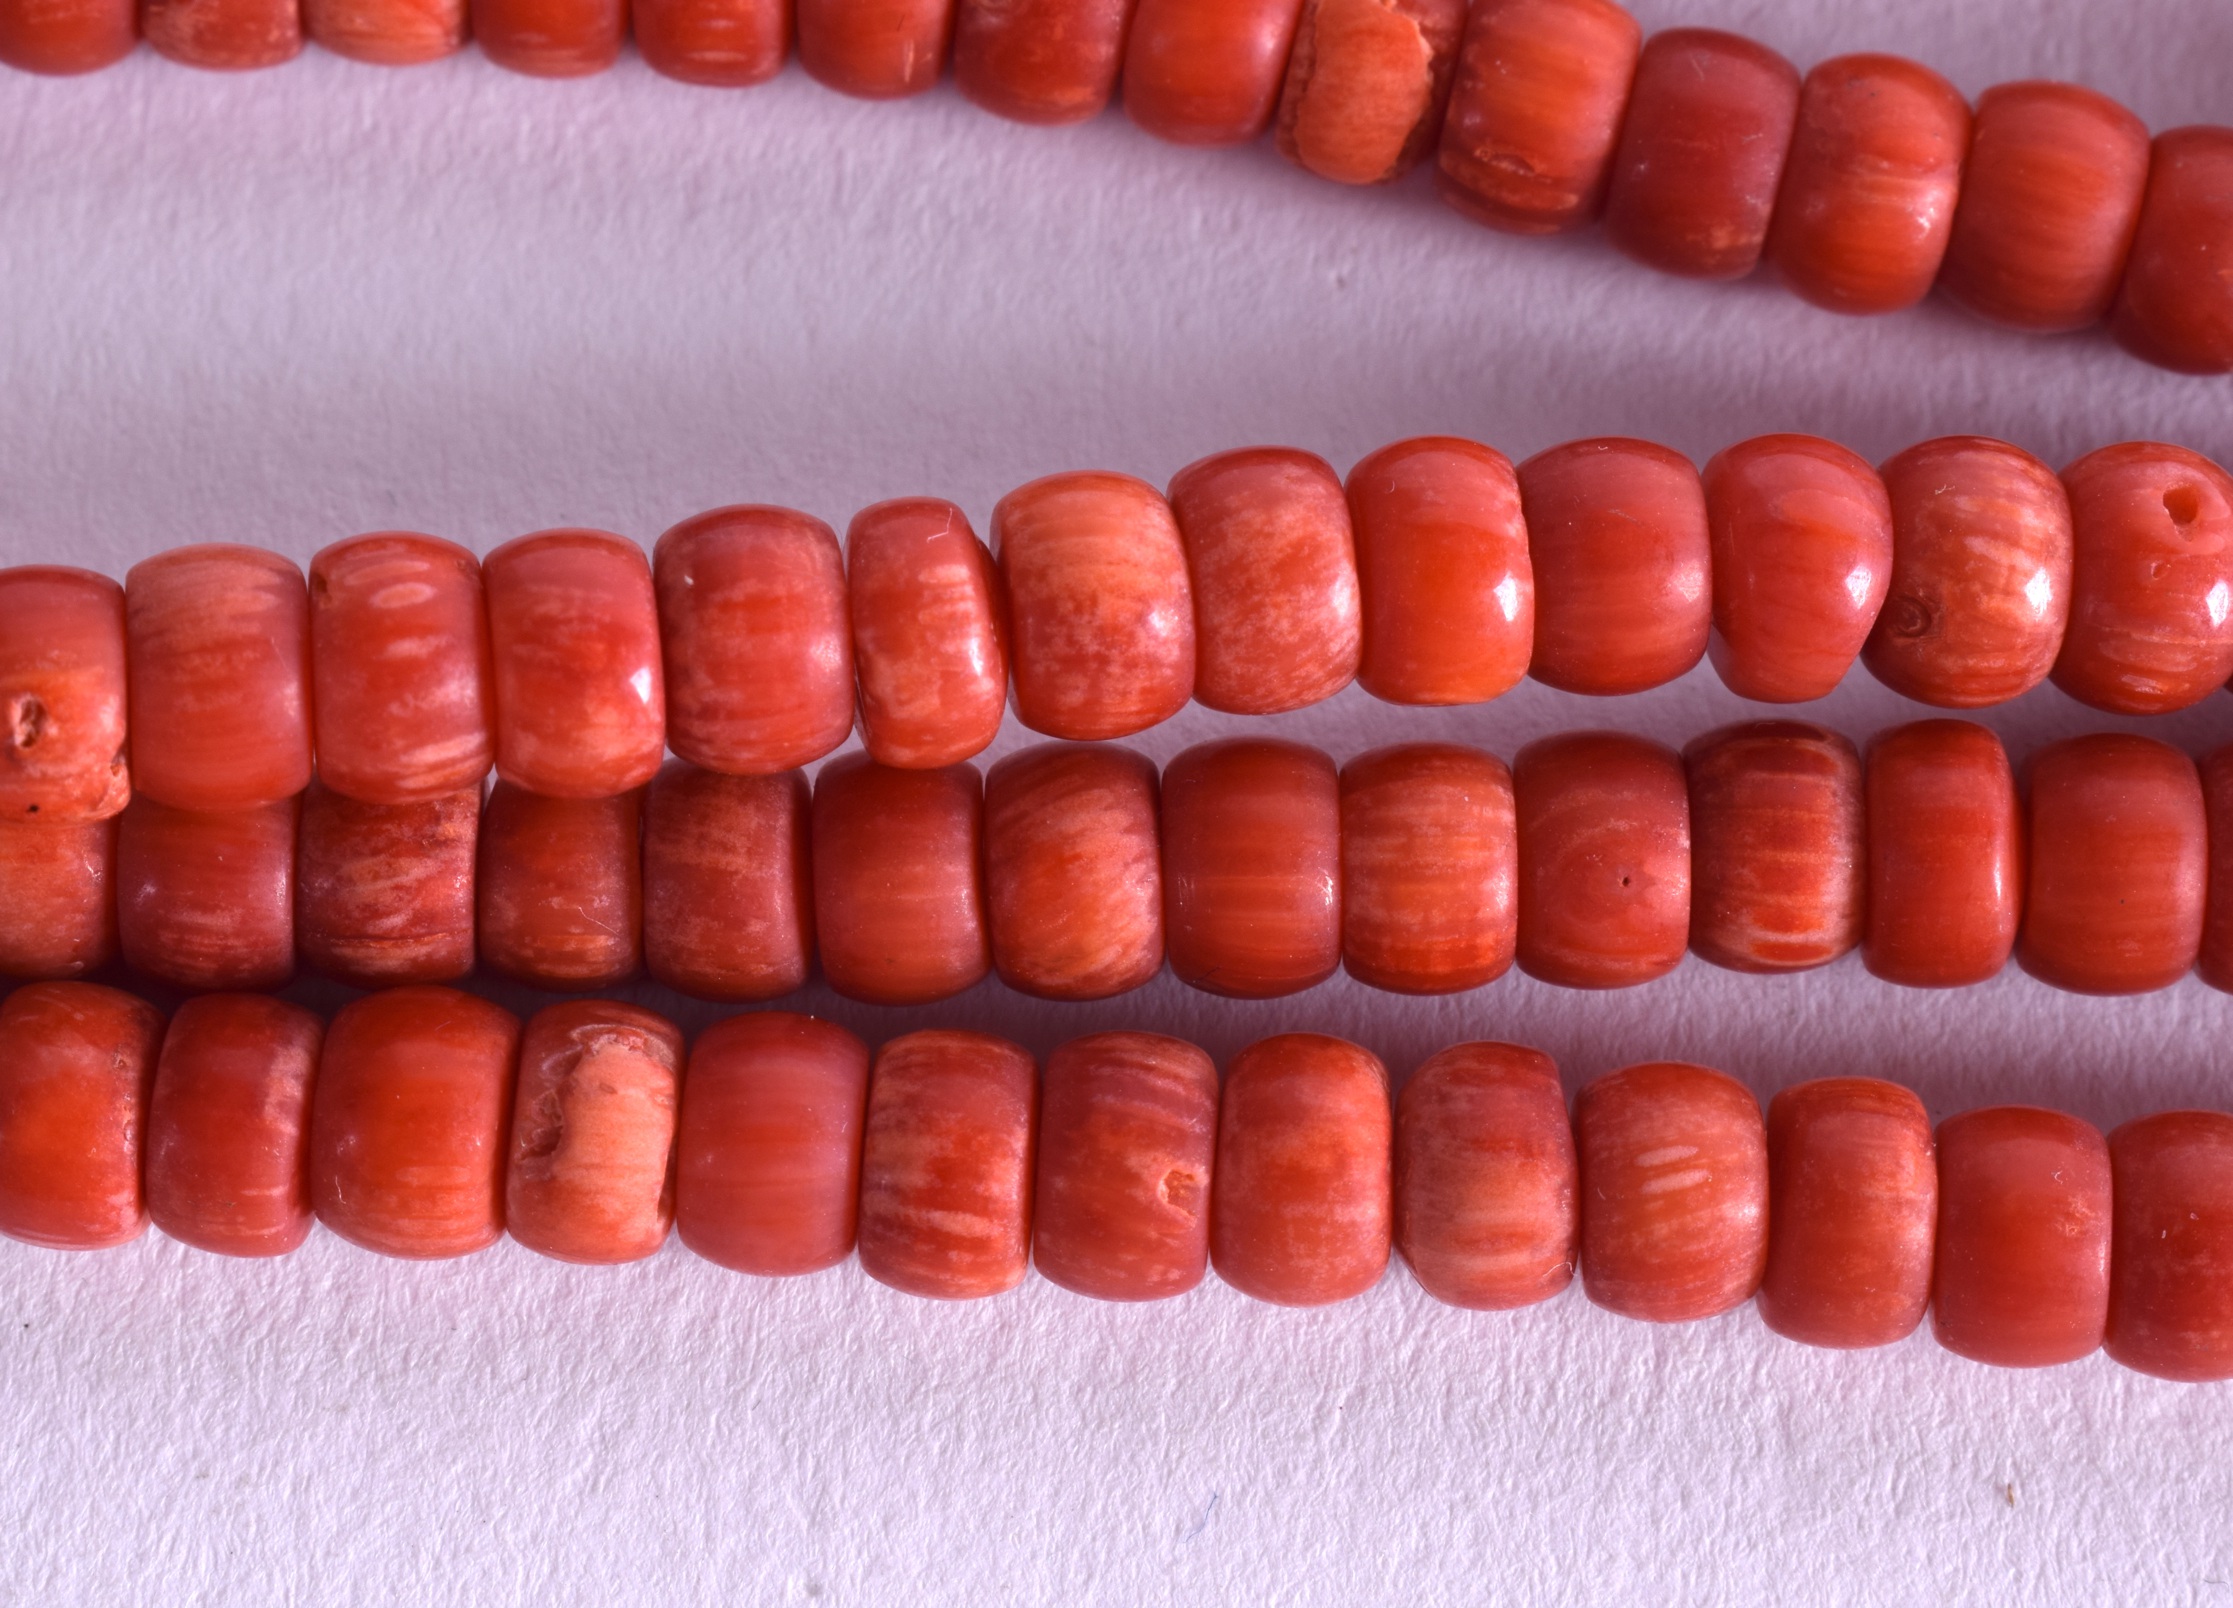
{"points": [[217, 647], [729, 44], [81, 36], [75, 1064], [946, 1161], [386, 33], [874, 49], [1852, 1206], [1981, 559], [560, 895], [384, 892], [1073, 875], [2021, 1278], [2215, 961], [59, 917], [1604, 854], [1622, 551], [1039, 61], [898, 903], [2175, 305], [61, 696], [408, 1122], [1945, 855], [551, 38], [223, 35], [768, 1151], [1674, 1189], [1206, 72], [1429, 868], [591, 1176], [2171, 1251], [929, 638], [1778, 846], [1302, 1204], [206, 899], [1802, 559], [728, 883], [228, 1125], [1252, 867], [1365, 85], [1127, 1137], [1485, 1177]]}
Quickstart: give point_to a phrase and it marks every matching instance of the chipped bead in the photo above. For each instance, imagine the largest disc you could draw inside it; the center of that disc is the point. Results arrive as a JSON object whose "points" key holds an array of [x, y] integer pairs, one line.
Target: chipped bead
{"points": [[61, 696], [1365, 83]]}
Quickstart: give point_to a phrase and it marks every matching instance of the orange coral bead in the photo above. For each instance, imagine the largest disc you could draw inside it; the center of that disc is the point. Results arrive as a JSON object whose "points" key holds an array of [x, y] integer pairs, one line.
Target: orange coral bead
{"points": [[560, 888], [75, 1064], [1429, 868], [2171, 1252], [1365, 86], [1127, 1138], [728, 894], [1604, 856], [898, 903], [1039, 61], [946, 1161], [929, 638], [78, 36], [59, 918], [1674, 1187], [1622, 552], [2215, 961], [2175, 305], [224, 35], [1073, 875], [61, 696], [228, 1126], [768, 1151], [874, 49], [384, 892], [1302, 1205], [387, 33], [1945, 855], [1778, 846], [551, 38], [1485, 1177], [408, 1122], [1206, 72], [729, 44], [206, 899]]}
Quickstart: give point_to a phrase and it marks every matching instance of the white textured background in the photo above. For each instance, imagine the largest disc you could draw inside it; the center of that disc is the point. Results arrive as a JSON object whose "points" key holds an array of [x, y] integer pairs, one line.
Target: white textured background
{"points": [[285, 308]]}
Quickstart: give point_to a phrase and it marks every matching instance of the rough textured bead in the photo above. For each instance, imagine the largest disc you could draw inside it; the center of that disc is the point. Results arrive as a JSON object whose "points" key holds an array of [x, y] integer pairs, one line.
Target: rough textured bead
{"points": [[768, 1151], [1206, 72], [593, 1132], [2175, 304], [1445, 583], [551, 38], [1852, 1206], [2050, 195], [1039, 61], [1981, 555], [946, 1163], [1101, 616], [1867, 204], [384, 892], [1535, 110], [1429, 868], [580, 693], [874, 49], [2215, 961], [387, 33], [2151, 581], [1604, 855], [929, 638], [560, 894], [1252, 867], [726, 43], [728, 884], [2021, 1278], [1302, 1207], [1127, 1136], [59, 918], [62, 752], [1674, 1188], [1802, 561], [1485, 1177], [2118, 845], [75, 1063], [206, 899], [898, 904], [67, 39], [408, 1122], [1945, 855], [1073, 876], [2171, 1253], [228, 1125], [1622, 552], [399, 663], [217, 648], [223, 35], [1778, 846], [1366, 80], [1693, 181]]}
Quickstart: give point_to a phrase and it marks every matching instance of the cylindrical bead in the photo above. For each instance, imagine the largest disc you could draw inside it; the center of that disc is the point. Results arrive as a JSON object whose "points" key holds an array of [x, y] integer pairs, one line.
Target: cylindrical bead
{"points": [[560, 889], [930, 637], [728, 883], [206, 899], [899, 906], [1778, 846], [384, 892], [1945, 855], [223, 35], [62, 754], [874, 49], [1206, 72], [1603, 821], [2171, 1251], [728, 44], [75, 1064], [551, 38], [58, 920], [2215, 961], [1429, 868], [1039, 61], [386, 33], [2175, 305], [1365, 83], [79, 36]]}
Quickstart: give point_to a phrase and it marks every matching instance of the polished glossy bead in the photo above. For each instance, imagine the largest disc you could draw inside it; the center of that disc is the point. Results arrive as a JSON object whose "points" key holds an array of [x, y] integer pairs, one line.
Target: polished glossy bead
{"points": [[2118, 846], [75, 1063], [82, 36], [217, 647], [1127, 1135], [2021, 1278], [387, 33], [1945, 855], [930, 638], [1802, 561], [560, 891], [399, 663], [1039, 61], [1429, 868], [2215, 961], [551, 38], [1444, 578], [223, 35], [768, 1151], [946, 1163], [1073, 876], [1981, 555], [725, 43], [1867, 204], [1778, 846], [1302, 1205], [62, 755], [384, 892], [728, 891], [2050, 195], [2171, 1252], [1535, 110], [899, 906], [1674, 1189], [59, 917], [874, 49], [408, 1122], [2151, 582], [1618, 533], [1206, 72], [1485, 1177], [1604, 856], [206, 899], [1852, 1205], [2175, 305], [590, 1177], [580, 695], [228, 1126], [1365, 85]]}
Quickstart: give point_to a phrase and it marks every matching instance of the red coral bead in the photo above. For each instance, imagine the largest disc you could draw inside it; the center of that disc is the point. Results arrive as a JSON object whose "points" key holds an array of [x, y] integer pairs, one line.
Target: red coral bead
{"points": [[929, 633], [2215, 960], [560, 890], [1206, 72], [1945, 855], [384, 892], [1429, 868], [1365, 85], [2171, 1251], [62, 752], [59, 918], [223, 35], [1039, 61], [64, 40], [1604, 854], [206, 899], [728, 883], [551, 38], [387, 33], [1778, 846], [726, 43], [874, 49], [2175, 305], [898, 901], [75, 1064]]}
